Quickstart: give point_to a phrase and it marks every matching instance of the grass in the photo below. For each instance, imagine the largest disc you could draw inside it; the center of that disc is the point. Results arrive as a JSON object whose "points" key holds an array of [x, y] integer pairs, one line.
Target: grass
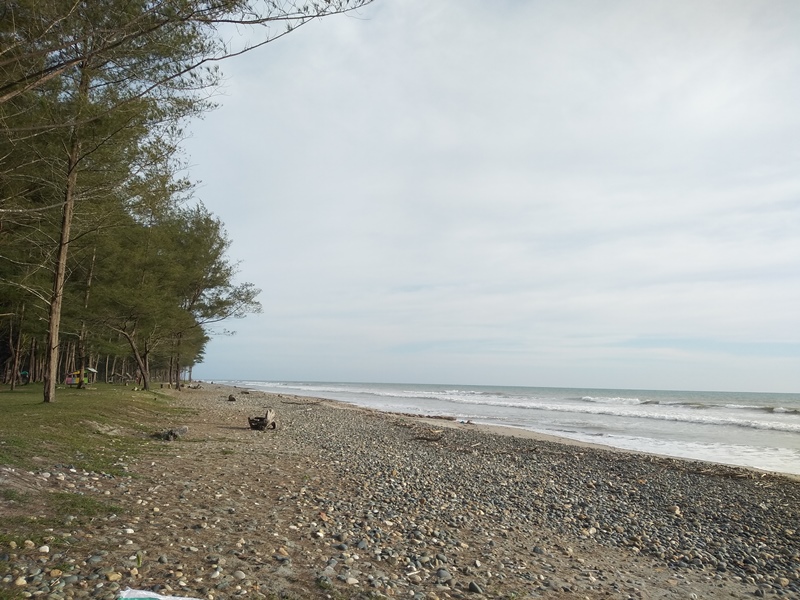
{"points": [[52, 509], [96, 429], [89, 429], [10, 495], [81, 506]]}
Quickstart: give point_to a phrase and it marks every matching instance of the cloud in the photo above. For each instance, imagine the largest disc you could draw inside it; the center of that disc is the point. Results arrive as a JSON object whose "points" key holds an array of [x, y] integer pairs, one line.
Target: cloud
{"points": [[516, 193]]}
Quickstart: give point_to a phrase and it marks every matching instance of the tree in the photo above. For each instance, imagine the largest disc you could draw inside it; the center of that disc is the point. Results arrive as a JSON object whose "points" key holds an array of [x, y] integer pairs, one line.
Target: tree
{"points": [[103, 108], [205, 287], [160, 283], [39, 42], [115, 73]]}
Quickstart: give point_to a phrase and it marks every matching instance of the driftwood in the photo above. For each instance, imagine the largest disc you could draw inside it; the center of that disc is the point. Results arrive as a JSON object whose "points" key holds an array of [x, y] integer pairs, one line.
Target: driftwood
{"points": [[265, 422], [430, 435], [304, 403]]}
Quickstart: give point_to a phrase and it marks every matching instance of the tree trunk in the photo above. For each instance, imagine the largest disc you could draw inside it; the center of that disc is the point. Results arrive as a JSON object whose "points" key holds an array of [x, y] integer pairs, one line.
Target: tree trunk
{"points": [[141, 360], [82, 338], [69, 357], [57, 297], [9, 375], [16, 349], [63, 357], [178, 367], [59, 275], [33, 365], [146, 372]]}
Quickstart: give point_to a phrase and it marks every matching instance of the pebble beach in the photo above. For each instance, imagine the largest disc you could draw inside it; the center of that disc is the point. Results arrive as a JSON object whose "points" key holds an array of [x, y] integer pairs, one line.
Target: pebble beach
{"points": [[346, 502]]}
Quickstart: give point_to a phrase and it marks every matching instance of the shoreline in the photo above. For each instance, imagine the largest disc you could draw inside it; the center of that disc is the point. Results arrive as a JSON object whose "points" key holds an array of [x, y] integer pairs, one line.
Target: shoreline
{"points": [[520, 432], [342, 501], [488, 492], [545, 437]]}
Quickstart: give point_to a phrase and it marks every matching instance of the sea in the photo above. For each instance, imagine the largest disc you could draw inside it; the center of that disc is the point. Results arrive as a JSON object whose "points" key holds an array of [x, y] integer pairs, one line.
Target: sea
{"points": [[758, 430]]}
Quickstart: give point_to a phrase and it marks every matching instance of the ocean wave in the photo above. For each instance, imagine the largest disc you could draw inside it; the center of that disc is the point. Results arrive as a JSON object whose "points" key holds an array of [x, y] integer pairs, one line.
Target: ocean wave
{"points": [[362, 390], [668, 409], [615, 400], [427, 394], [667, 413], [622, 400]]}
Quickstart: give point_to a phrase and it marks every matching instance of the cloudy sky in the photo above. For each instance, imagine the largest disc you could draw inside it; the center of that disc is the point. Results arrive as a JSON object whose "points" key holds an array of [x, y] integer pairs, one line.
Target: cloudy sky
{"points": [[546, 193]]}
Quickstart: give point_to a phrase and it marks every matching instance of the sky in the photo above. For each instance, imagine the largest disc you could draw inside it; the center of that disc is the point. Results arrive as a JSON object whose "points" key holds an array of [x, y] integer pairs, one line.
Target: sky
{"points": [[553, 193]]}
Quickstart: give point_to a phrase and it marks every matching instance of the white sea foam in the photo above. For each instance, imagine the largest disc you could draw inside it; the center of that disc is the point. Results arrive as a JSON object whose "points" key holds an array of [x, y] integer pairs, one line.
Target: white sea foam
{"points": [[612, 400], [785, 460]]}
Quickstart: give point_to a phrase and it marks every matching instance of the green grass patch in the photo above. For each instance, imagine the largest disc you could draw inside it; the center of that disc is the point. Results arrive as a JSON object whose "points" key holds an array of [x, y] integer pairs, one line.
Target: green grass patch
{"points": [[80, 506], [92, 429], [13, 496], [35, 529], [98, 429], [54, 511]]}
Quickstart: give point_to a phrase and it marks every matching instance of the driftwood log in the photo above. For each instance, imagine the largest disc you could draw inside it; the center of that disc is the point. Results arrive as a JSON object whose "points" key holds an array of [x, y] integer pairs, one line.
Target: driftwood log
{"points": [[265, 422]]}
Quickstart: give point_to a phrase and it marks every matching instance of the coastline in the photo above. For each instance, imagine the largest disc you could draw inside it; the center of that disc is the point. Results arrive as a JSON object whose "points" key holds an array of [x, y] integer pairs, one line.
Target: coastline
{"points": [[544, 437], [342, 501], [527, 434], [753, 430], [698, 497]]}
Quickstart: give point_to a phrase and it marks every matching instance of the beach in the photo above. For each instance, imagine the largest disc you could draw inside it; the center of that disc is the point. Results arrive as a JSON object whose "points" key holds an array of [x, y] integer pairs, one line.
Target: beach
{"points": [[746, 429], [345, 502]]}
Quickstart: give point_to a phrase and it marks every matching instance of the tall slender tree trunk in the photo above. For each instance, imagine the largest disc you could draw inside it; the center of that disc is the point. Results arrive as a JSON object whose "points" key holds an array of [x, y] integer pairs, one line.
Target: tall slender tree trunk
{"points": [[69, 357], [178, 363], [16, 349], [33, 366], [60, 272], [146, 372], [59, 276], [82, 338], [8, 369]]}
